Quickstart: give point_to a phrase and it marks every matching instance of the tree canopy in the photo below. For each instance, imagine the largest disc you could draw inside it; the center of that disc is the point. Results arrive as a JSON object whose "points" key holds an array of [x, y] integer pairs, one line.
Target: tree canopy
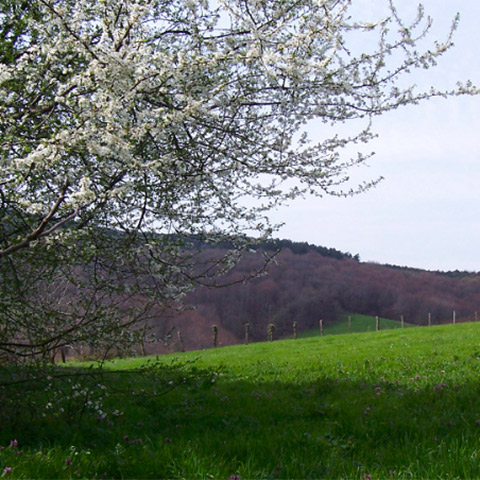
{"points": [[127, 125]]}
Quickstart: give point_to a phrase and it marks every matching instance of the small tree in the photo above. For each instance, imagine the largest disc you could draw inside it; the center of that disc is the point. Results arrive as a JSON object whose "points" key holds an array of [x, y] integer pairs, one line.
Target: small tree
{"points": [[129, 128]]}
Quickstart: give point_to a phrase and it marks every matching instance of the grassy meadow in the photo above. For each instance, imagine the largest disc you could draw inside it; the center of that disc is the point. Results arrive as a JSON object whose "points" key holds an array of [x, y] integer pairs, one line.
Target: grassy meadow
{"points": [[358, 323], [398, 403]]}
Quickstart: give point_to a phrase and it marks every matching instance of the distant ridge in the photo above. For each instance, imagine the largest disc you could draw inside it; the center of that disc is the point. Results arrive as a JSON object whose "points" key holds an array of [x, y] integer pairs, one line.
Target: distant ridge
{"points": [[307, 283]]}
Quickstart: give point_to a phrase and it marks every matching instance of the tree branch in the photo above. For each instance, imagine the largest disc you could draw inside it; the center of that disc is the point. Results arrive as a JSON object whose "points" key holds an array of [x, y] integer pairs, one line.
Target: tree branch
{"points": [[40, 230]]}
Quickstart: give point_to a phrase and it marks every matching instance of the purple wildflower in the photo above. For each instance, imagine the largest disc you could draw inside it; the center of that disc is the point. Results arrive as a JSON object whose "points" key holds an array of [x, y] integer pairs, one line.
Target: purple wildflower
{"points": [[7, 470], [14, 443]]}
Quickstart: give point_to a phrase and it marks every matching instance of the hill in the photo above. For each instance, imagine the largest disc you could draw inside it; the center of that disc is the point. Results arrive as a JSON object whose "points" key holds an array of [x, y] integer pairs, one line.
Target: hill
{"points": [[306, 283]]}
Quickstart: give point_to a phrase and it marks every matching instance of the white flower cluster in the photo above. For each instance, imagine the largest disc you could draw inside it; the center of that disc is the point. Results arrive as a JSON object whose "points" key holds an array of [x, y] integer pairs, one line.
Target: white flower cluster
{"points": [[114, 90]]}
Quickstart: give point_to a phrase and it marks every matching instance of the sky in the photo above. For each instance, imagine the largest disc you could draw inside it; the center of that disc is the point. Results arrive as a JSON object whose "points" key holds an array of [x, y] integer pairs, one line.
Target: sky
{"points": [[426, 212]]}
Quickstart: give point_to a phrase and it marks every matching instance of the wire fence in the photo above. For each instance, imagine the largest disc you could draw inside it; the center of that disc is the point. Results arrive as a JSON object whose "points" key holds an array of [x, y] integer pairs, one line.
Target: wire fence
{"points": [[377, 323]]}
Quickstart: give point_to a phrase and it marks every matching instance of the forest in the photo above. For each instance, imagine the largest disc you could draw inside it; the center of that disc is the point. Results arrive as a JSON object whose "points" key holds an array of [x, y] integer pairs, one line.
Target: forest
{"points": [[305, 283]]}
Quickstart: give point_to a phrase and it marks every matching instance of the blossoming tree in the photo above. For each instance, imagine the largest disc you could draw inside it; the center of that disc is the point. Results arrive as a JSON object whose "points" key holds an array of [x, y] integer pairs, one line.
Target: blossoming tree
{"points": [[129, 125]]}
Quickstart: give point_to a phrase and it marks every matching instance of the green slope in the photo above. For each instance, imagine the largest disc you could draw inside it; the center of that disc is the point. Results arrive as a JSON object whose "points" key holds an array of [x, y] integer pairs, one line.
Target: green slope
{"points": [[387, 404], [357, 323]]}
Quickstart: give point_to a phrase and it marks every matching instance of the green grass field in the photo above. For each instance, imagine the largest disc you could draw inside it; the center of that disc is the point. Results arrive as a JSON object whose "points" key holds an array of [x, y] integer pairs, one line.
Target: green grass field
{"points": [[389, 404], [358, 323]]}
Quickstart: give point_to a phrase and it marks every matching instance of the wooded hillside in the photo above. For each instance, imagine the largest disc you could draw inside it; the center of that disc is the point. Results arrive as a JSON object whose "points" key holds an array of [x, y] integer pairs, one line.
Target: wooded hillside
{"points": [[307, 283]]}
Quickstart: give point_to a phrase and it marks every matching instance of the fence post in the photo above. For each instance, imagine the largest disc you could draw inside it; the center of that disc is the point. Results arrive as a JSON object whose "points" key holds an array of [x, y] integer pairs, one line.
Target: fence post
{"points": [[321, 328], [429, 319], [270, 331], [247, 329], [377, 323], [476, 316], [180, 339], [349, 324], [454, 317], [215, 335], [294, 330], [402, 321]]}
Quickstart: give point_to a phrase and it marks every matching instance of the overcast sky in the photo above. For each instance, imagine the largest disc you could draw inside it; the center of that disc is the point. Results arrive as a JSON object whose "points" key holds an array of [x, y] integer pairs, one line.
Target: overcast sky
{"points": [[426, 212]]}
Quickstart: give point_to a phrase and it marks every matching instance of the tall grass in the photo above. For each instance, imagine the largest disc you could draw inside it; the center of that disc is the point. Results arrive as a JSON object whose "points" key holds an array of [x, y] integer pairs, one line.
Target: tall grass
{"points": [[388, 404]]}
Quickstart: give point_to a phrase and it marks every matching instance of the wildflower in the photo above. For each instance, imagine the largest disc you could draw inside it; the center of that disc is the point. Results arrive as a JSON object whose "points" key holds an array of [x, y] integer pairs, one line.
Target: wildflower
{"points": [[367, 411], [68, 462], [14, 443], [234, 477], [7, 470], [125, 437], [168, 440], [439, 386], [477, 422]]}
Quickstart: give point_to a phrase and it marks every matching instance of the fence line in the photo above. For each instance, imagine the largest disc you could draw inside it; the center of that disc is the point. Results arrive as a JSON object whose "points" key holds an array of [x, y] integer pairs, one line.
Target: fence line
{"points": [[271, 328]]}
